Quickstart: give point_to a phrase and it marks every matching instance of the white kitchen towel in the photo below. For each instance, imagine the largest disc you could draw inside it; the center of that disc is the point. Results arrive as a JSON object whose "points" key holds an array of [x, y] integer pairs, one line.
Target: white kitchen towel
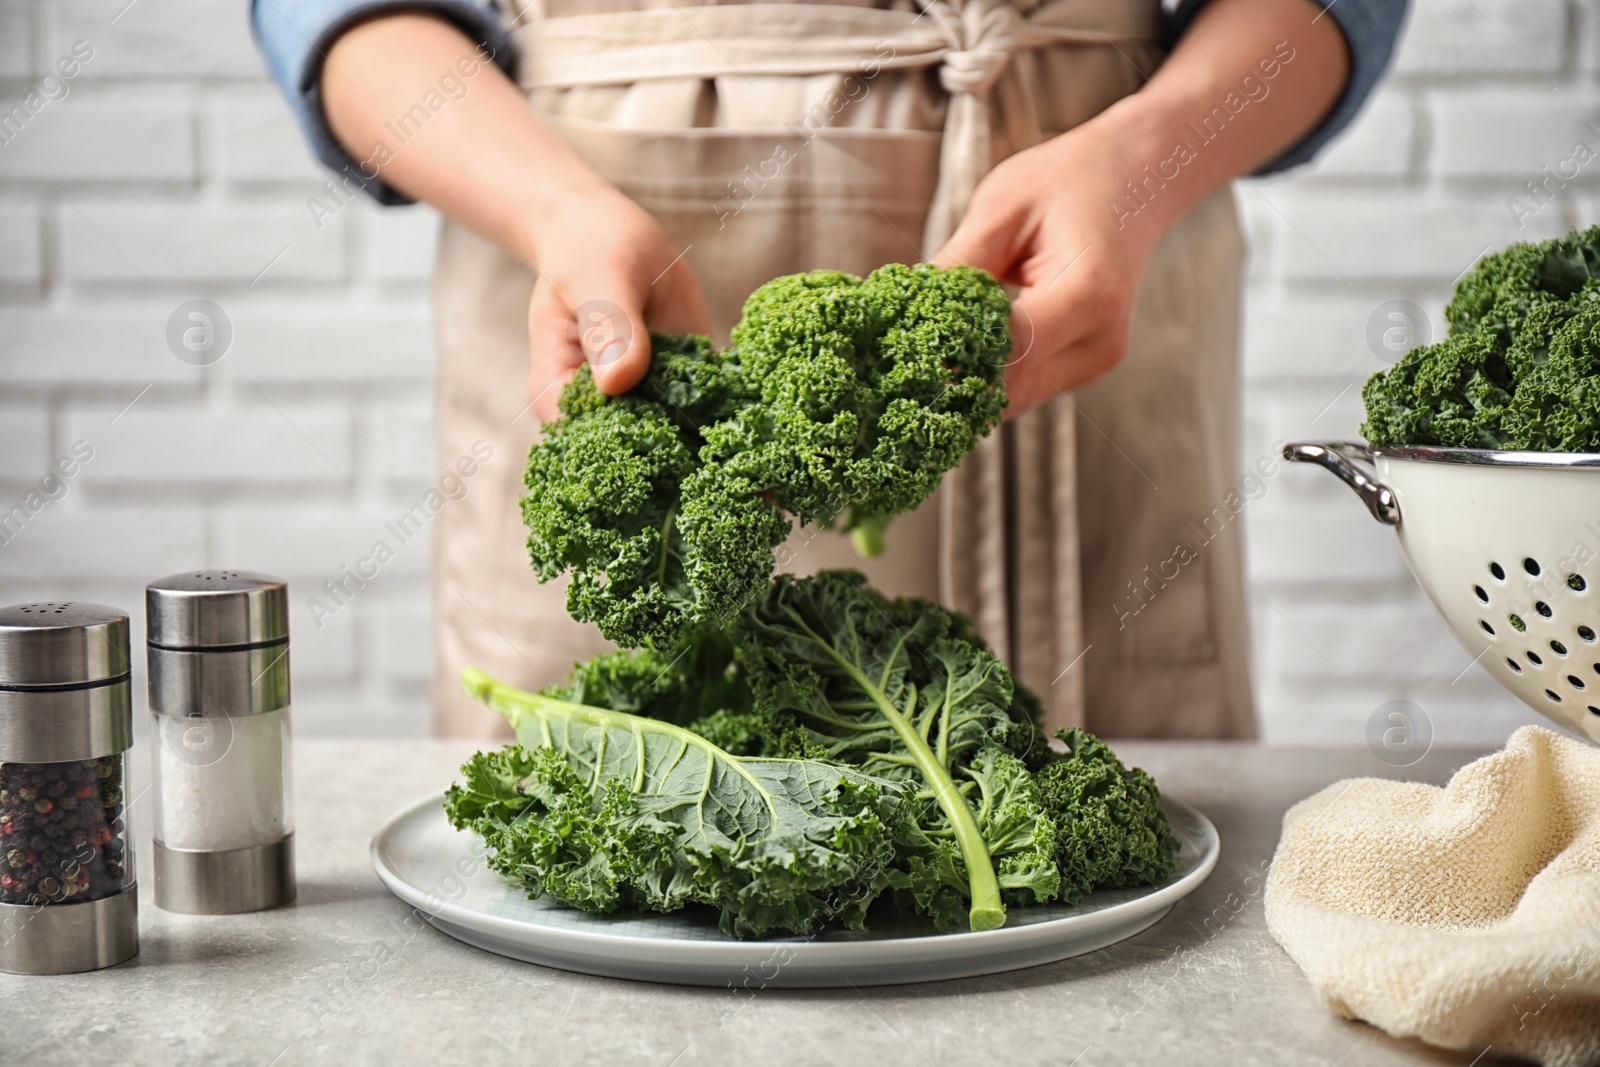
{"points": [[1467, 916]]}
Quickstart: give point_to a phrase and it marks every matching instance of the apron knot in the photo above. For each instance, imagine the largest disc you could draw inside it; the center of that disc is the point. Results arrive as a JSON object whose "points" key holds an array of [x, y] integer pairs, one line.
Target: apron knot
{"points": [[982, 35]]}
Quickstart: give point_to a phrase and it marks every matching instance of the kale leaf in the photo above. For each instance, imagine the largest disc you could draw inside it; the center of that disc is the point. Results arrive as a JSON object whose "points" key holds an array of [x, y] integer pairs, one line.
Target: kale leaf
{"points": [[904, 690], [823, 674], [1111, 832], [841, 402], [1520, 367], [603, 810]]}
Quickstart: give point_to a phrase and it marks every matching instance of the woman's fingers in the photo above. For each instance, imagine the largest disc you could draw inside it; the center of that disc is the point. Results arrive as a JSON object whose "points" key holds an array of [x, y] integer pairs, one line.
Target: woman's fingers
{"points": [[606, 327], [554, 357], [1067, 331], [977, 243], [601, 313], [677, 304], [1054, 355]]}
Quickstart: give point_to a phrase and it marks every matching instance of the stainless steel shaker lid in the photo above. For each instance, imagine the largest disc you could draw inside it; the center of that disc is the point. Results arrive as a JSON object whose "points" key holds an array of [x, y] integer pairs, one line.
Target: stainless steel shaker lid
{"points": [[61, 643], [216, 609]]}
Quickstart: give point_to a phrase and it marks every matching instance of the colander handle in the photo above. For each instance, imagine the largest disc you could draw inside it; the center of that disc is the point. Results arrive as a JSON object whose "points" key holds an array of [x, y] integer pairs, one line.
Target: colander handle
{"points": [[1352, 462]]}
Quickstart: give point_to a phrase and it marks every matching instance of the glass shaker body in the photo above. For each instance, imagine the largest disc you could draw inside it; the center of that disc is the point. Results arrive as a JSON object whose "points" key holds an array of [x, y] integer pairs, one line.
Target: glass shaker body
{"points": [[219, 699], [221, 761]]}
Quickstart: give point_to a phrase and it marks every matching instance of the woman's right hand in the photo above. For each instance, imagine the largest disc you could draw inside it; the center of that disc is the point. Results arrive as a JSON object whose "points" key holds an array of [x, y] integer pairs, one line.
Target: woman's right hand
{"points": [[606, 276], [492, 164]]}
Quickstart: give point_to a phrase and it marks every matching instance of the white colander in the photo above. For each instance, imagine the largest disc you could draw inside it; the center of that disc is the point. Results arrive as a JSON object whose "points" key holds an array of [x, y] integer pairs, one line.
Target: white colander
{"points": [[1507, 546]]}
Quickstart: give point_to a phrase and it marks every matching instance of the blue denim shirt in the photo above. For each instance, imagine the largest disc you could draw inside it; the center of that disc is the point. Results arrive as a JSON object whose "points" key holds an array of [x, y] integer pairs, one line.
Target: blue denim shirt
{"points": [[295, 35]]}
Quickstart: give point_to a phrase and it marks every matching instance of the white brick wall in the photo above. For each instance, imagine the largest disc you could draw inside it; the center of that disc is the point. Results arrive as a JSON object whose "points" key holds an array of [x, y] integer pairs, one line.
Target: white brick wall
{"points": [[171, 171]]}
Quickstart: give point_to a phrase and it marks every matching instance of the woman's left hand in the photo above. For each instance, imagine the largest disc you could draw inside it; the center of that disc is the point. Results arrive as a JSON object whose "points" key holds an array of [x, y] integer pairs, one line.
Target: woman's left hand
{"points": [[1044, 221], [1073, 222]]}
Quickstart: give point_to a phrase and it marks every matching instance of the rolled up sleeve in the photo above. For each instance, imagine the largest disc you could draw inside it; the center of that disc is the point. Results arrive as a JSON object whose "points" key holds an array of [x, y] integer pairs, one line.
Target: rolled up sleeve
{"points": [[1370, 29], [295, 35]]}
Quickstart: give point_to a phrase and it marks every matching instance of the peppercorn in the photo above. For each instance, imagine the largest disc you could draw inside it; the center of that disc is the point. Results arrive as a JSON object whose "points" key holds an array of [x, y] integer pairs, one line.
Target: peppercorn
{"points": [[62, 823]]}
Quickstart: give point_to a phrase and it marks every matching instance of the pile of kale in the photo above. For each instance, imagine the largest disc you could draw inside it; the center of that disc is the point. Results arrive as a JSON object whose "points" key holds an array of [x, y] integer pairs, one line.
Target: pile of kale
{"points": [[789, 751], [1520, 367]]}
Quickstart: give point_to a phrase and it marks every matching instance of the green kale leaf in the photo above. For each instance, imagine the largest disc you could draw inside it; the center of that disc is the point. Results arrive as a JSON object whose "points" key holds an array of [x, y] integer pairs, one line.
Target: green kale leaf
{"points": [[842, 402], [1517, 369], [603, 810], [1110, 830], [904, 691]]}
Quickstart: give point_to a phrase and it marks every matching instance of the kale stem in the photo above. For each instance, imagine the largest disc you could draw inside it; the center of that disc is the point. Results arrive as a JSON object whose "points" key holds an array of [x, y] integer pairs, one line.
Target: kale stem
{"points": [[988, 911], [666, 543], [518, 705]]}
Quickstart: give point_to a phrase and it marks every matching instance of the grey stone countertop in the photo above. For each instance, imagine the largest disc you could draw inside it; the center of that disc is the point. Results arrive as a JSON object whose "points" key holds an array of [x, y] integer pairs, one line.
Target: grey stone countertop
{"points": [[340, 976]]}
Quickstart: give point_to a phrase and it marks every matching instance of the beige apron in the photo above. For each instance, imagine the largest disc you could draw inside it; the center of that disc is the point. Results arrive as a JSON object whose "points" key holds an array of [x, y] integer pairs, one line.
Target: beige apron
{"points": [[775, 138]]}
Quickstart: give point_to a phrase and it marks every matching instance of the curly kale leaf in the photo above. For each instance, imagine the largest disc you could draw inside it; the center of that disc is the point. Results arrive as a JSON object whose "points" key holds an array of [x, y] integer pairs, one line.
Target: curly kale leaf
{"points": [[1557, 403], [842, 402], [870, 390], [678, 684], [1453, 393], [605, 503], [1516, 370], [603, 810], [902, 690], [1501, 290], [1110, 830], [905, 753]]}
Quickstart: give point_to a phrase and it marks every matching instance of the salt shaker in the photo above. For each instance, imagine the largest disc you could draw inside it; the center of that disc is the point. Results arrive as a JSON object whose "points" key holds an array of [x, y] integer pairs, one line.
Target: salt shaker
{"points": [[67, 896], [218, 644]]}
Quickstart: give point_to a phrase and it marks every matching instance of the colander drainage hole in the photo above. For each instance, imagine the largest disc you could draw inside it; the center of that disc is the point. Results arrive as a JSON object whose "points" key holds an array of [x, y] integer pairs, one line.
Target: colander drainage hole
{"points": [[1577, 683], [1486, 627], [1594, 710], [1551, 693], [1483, 596], [1498, 571], [1517, 624], [1576, 582], [1543, 609], [1586, 633], [1533, 658], [1558, 648], [1531, 565], [1513, 664]]}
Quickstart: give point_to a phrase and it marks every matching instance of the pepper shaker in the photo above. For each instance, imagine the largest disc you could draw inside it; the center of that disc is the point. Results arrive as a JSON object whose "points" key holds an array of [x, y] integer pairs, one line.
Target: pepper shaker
{"points": [[67, 896], [218, 645]]}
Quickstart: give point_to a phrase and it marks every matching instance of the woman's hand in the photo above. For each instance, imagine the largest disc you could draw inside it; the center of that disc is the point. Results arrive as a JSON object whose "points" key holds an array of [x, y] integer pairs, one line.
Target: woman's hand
{"points": [[1073, 222], [607, 276], [491, 163], [1043, 222]]}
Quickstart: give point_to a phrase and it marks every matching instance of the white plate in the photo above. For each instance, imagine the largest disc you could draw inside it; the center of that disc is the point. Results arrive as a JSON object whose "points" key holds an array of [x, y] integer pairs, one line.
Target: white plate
{"points": [[440, 871]]}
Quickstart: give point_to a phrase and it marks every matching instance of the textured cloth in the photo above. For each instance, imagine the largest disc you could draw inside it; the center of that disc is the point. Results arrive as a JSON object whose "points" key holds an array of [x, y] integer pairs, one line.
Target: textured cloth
{"points": [[1042, 534], [1467, 916], [296, 35]]}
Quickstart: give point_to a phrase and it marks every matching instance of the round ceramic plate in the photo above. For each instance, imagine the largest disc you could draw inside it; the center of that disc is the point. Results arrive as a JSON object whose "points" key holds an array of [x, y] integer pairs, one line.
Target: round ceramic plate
{"points": [[440, 871]]}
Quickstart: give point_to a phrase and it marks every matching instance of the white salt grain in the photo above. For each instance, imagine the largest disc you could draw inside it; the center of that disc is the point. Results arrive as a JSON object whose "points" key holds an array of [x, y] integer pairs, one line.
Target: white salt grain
{"points": [[223, 782]]}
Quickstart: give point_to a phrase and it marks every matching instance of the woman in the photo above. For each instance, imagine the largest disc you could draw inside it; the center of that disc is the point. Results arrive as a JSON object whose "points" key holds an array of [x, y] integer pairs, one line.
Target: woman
{"points": [[649, 162]]}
